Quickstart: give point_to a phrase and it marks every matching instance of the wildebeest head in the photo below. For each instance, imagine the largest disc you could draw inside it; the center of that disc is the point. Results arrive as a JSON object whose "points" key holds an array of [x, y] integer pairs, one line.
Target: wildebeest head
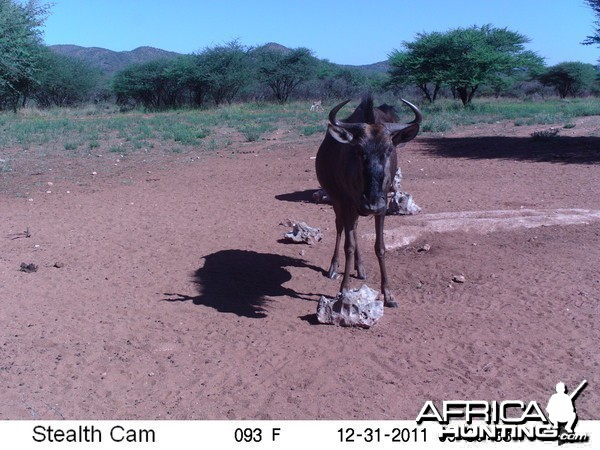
{"points": [[370, 133]]}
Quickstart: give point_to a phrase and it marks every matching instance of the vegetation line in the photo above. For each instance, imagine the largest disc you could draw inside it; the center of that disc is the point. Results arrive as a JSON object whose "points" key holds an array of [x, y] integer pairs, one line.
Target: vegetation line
{"points": [[97, 128]]}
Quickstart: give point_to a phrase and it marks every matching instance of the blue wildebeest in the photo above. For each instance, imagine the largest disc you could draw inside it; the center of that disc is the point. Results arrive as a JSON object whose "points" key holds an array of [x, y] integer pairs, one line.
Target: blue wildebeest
{"points": [[355, 165]]}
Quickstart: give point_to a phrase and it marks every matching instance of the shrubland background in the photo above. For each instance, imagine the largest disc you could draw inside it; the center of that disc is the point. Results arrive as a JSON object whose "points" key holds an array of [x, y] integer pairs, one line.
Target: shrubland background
{"points": [[458, 76]]}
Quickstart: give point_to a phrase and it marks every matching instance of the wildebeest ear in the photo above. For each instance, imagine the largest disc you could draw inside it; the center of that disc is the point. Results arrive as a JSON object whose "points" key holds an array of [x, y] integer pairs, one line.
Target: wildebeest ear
{"points": [[405, 133], [340, 134]]}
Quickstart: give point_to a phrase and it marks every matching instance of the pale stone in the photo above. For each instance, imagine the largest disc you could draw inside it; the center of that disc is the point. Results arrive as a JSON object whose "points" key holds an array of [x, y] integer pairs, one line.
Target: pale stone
{"points": [[459, 278], [425, 248], [358, 308], [401, 203], [302, 233]]}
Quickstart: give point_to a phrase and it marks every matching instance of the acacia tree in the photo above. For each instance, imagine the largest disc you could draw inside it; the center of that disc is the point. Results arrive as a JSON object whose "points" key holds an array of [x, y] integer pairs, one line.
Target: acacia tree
{"points": [[218, 73], [282, 71], [224, 70], [334, 81], [149, 84], [185, 72], [20, 44], [63, 80], [570, 78], [423, 63], [463, 59]]}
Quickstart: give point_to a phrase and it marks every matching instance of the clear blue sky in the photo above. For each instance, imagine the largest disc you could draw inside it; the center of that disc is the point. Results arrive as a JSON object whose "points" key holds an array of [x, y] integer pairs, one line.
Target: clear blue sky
{"points": [[344, 32]]}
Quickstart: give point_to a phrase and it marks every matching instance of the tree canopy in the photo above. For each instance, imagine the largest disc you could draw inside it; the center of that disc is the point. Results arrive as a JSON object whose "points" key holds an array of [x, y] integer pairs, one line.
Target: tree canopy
{"points": [[462, 58], [224, 69], [63, 80], [570, 78], [20, 47], [594, 38], [148, 84], [282, 71]]}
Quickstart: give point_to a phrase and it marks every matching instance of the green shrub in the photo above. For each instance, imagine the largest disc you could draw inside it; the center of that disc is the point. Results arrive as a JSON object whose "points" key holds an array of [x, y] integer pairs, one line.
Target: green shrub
{"points": [[436, 124], [253, 131], [309, 130]]}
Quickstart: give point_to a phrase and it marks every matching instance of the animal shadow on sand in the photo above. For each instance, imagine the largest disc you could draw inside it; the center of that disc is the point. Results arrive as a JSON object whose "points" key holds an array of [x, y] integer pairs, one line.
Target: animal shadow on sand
{"points": [[242, 282], [305, 196]]}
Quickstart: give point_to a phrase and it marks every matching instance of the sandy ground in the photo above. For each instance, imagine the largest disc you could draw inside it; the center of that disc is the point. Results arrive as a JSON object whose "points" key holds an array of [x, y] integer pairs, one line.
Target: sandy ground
{"points": [[175, 296]]}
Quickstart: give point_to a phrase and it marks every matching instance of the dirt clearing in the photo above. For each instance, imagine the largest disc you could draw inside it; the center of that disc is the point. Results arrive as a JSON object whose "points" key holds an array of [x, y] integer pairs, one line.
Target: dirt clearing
{"points": [[164, 289]]}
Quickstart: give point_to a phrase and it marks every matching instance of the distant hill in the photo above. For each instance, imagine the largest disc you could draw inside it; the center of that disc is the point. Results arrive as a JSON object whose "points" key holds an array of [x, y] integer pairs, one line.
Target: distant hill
{"points": [[275, 46], [378, 67], [110, 61]]}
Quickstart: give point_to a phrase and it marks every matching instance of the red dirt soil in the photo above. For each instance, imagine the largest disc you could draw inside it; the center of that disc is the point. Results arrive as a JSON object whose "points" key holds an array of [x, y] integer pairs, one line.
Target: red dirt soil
{"points": [[177, 297]]}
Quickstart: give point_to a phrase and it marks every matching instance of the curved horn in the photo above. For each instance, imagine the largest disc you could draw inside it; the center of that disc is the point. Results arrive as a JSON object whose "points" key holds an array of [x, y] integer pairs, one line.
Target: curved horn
{"points": [[395, 127], [334, 112], [418, 115]]}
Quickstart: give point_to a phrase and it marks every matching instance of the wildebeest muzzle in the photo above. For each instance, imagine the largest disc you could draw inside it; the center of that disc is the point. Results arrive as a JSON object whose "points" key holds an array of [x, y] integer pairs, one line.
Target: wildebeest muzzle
{"points": [[372, 207]]}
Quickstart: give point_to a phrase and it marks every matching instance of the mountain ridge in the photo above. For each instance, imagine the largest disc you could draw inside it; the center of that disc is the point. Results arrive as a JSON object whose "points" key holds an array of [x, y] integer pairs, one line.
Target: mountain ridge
{"points": [[111, 61]]}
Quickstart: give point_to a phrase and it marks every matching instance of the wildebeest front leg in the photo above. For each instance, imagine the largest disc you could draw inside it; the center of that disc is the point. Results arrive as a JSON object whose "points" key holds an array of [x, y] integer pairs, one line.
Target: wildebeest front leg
{"points": [[358, 264], [339, 227], [380, 252], [349, 248]]}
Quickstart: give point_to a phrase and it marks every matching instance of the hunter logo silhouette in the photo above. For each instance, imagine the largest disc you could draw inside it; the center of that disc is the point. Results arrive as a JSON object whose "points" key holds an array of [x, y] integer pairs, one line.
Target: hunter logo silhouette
{"points": [[561, 408]]}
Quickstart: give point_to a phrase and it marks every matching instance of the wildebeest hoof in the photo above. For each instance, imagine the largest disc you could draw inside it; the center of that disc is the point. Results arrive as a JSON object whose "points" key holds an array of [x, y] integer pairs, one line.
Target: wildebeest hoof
{"points": [[390, 301]]}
